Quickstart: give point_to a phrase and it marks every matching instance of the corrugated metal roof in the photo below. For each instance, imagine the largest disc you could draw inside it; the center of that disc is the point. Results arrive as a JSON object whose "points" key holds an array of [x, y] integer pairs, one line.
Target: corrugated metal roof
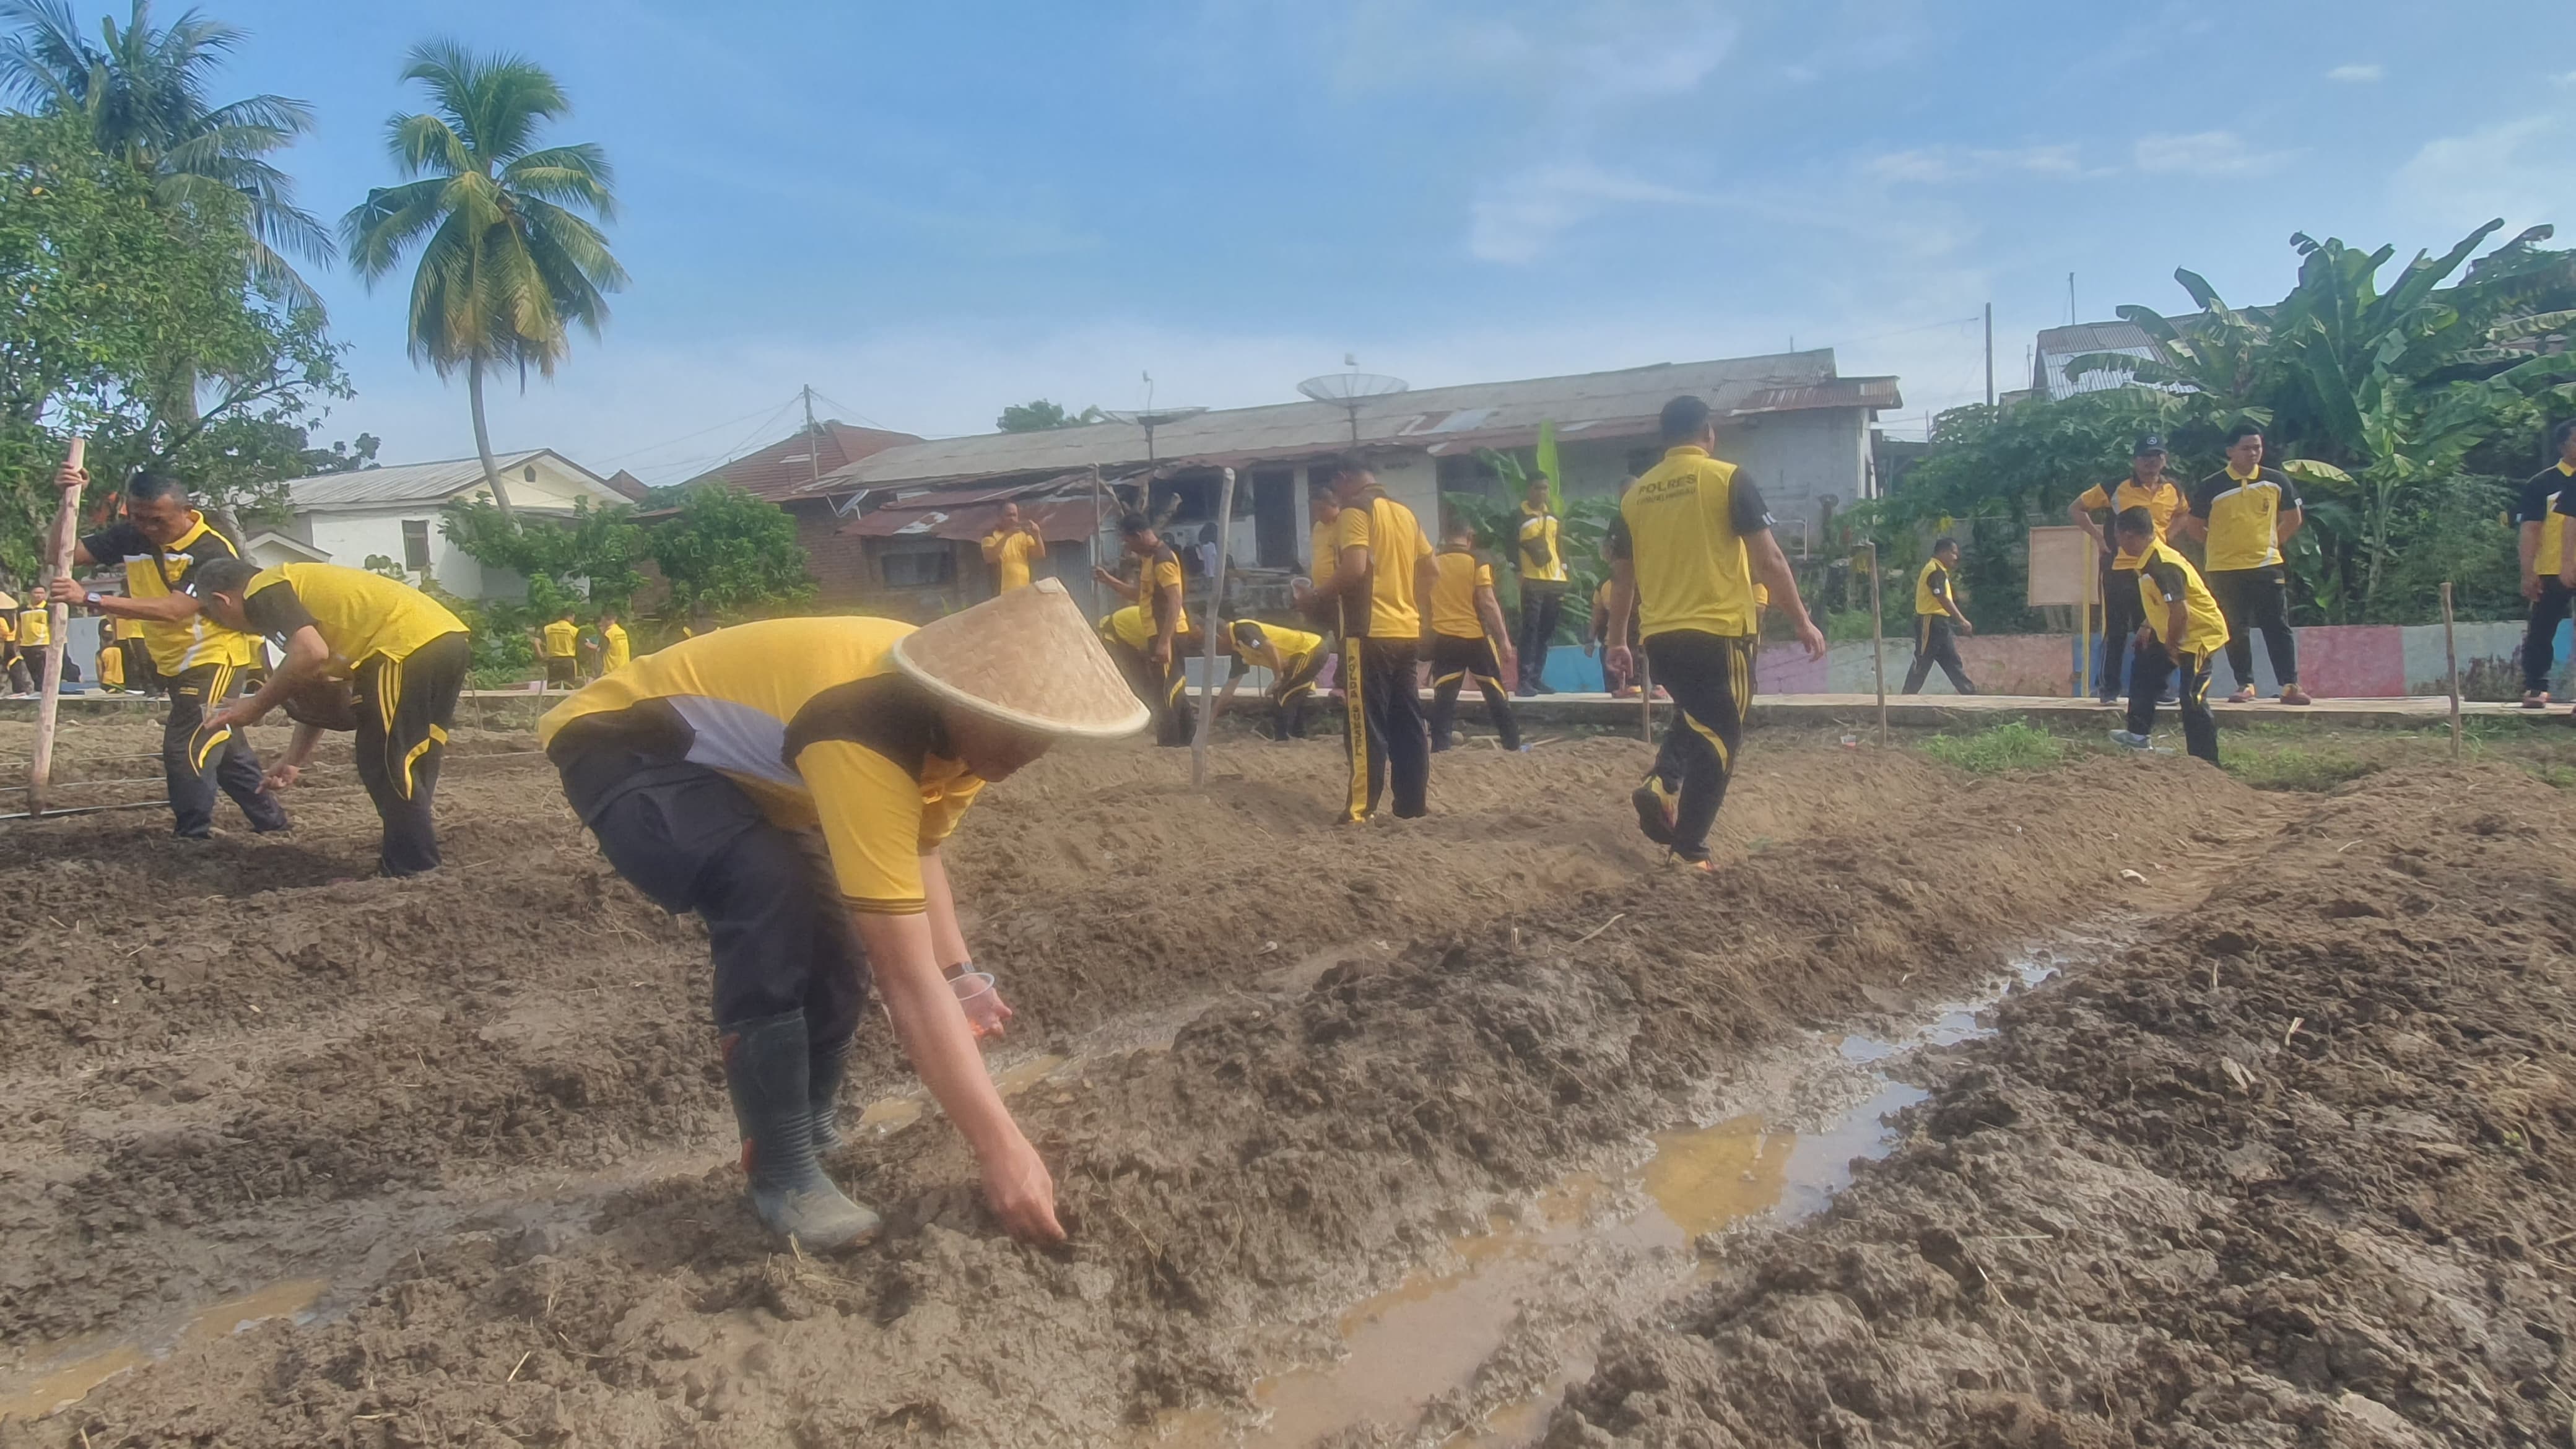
{"points": [[1064, 521], [2057, 346], [1432, 417], [417, 482], [784, 468]]}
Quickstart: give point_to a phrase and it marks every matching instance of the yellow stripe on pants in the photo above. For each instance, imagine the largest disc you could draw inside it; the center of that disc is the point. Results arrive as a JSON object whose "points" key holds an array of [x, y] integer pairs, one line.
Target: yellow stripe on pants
{"points": [[1356, 707], [211, 740]]}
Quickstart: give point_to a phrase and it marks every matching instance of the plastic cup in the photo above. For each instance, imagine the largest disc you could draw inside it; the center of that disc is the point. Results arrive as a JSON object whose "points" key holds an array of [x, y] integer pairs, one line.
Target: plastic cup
{"points": [[981, 1003]]}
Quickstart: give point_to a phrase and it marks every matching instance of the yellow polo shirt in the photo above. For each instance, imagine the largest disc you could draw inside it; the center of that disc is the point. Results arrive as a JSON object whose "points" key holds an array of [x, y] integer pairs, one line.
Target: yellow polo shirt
{"points": [[563, 639], [2165, 575], [613, 648], [2162, 502], [817, 724], [1453, 593], [157, 573], [1393, 537], [1011, 550], [1683, 526], [360, 615]]}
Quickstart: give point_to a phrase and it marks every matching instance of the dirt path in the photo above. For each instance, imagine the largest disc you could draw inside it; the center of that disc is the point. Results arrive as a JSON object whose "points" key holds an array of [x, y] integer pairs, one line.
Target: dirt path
{"points": [[2297, 1171], [495, 1085]]}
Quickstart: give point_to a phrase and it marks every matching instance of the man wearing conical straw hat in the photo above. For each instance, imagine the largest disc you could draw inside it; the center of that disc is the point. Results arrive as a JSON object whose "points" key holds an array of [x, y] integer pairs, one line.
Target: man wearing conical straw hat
{"points": [[791, 782]]}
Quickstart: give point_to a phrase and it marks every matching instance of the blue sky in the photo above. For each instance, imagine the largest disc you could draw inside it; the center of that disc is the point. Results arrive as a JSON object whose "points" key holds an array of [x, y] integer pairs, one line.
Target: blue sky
{"points": [[928, 211]]}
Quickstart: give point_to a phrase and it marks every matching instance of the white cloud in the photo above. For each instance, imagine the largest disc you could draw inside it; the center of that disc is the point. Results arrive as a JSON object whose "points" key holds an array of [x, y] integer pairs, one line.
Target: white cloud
{"points": [[2512, 169], [2567, 79], [1519, 219], [2356, 74], [2207, 153], [1931, 166]]}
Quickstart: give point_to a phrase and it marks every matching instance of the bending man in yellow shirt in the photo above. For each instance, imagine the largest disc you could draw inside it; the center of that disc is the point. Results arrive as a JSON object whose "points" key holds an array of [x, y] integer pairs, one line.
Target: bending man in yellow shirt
{"points": [[1466, 619], [792, 782], [406, 655], [2184, 630], [1293, 657]]}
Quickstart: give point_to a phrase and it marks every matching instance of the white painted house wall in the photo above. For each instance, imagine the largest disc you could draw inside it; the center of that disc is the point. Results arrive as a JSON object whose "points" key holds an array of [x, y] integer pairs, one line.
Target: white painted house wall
{"points": [[351, 534]]}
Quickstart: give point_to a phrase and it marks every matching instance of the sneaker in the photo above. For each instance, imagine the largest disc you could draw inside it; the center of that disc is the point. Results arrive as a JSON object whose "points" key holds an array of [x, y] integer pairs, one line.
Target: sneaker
{"points": [[2128, 741], [2292, 694], [2242, 696], [1703, 865], [2535, 699], [1656, 809]]}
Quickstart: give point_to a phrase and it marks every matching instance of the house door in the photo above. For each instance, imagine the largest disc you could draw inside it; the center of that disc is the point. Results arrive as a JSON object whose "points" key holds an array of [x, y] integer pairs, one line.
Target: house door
{"points": [[1275, 531]]}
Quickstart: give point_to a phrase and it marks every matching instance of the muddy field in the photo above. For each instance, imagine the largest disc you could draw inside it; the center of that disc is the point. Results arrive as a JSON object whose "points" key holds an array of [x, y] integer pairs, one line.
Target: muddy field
{"points": [[455, 1148]]}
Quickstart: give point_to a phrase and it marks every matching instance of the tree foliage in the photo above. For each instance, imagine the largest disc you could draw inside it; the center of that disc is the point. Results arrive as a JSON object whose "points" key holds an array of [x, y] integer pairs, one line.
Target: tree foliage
{"points": [[1043, 416], [2406, 412], [590, 556], [108, 288], [140, 92], [730, 554]]}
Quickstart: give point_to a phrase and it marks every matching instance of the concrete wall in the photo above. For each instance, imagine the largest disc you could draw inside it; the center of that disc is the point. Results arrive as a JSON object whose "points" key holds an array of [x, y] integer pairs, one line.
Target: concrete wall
{"points": [[2338, 662]]}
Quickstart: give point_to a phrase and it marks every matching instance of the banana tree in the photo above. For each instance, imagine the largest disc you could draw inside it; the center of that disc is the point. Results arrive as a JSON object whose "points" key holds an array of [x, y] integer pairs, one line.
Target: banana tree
{"points": [[2218, 358], [2366, 361]]}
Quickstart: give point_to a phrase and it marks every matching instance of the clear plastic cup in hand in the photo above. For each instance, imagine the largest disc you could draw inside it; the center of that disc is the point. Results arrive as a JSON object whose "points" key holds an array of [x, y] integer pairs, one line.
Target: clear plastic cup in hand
{"points": [[985, 1011]]}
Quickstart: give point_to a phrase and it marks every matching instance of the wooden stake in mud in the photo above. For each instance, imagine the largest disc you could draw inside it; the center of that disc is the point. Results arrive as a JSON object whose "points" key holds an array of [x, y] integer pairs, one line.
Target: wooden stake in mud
{"points": [[2451, 648], [1877, 645], [1216, 599], [58, 563]]}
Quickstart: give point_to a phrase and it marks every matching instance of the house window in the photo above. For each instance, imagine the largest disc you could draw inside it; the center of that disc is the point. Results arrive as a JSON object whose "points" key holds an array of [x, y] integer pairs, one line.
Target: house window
{"points": [[920, 569], [416, 545], [529, 472]]}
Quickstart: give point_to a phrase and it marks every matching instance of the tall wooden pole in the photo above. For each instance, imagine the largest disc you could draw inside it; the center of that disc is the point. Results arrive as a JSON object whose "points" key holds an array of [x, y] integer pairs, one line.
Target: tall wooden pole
{"points": [[1645, 695], [1990, 354], [1215, 603], [1877, 646], [2451, 648], [58, 564], [1099, 518]]}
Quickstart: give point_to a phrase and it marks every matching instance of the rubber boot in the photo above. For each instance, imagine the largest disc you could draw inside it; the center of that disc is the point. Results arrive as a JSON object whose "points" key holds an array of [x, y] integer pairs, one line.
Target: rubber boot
{"points": [[768, 1070], [829, 1067]]}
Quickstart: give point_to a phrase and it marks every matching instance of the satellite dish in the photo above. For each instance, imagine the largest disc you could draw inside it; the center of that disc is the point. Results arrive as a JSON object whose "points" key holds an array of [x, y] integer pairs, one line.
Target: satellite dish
{"points": [[1349, 391], [1151, 419]]}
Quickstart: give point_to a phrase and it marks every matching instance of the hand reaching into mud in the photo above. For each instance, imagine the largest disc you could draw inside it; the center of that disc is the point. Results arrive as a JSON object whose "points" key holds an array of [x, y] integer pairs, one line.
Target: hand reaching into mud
{"points": [[1022, 1192], [281, 777]]}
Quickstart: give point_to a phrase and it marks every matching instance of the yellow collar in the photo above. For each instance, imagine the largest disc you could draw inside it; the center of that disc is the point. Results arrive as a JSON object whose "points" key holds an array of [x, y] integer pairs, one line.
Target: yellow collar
{"points": [[1692, 449], [2244, 477], [2563, 468]]}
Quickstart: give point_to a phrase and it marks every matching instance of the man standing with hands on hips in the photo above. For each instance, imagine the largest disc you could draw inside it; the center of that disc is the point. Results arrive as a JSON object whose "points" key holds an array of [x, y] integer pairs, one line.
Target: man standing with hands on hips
{"points": [[2146, 487], [2242, 514]]}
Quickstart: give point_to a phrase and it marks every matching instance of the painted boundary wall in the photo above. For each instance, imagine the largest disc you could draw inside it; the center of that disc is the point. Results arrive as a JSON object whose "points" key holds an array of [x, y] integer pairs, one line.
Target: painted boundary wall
{"points": [[2353, 661]]}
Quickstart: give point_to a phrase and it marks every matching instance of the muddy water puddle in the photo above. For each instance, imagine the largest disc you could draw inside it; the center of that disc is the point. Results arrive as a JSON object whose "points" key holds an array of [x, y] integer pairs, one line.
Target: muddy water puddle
{"points": [[1444, 1354], [65, 1373]]}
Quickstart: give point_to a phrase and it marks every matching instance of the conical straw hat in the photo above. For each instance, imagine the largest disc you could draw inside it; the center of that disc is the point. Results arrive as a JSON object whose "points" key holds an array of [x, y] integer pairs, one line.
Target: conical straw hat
{"points": [[1027, 658], [7, 600]]}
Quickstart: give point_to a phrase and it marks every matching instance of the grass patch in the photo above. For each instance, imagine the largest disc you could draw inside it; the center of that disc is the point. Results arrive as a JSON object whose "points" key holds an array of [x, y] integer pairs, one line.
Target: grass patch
{"points": [[2012, 745], [2292, 767], [2562, 776]]}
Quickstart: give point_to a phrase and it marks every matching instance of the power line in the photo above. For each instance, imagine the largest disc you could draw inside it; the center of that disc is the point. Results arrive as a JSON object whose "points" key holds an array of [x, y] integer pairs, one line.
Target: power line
{"points": [[684, 437], [850, 412], [704, 461]]}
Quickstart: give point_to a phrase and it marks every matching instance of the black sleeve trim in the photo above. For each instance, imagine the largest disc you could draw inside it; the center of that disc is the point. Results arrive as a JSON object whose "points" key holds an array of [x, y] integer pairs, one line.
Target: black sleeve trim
{"points": [[2289, 489], [2167, 576], [1745, 508], [2567, 500], [114, 543], [2205, 495], [274, 610], [887, 713]]}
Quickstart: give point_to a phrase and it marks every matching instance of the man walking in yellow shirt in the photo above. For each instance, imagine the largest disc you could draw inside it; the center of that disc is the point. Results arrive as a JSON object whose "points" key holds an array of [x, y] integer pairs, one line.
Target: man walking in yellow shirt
{"points": [[1466, 619]]}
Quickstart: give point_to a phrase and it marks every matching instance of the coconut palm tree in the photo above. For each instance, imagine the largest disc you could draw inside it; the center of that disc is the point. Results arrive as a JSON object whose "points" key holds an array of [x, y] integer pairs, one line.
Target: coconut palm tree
{"points": [[142, 89], [507, 263]]}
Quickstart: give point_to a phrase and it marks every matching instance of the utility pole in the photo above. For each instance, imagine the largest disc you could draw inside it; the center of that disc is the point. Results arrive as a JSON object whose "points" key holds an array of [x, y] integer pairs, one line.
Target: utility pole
{"points": [[2072, 317], [815, 439], [1990, 354]]}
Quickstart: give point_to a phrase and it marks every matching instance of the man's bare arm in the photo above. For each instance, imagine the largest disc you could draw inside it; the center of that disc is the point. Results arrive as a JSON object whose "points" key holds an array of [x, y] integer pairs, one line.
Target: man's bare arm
{"points": [[1771, 569]]}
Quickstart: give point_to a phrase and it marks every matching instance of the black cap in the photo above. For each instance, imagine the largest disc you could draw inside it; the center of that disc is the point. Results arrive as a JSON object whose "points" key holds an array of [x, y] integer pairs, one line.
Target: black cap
{"points": [[2151, 443]]}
